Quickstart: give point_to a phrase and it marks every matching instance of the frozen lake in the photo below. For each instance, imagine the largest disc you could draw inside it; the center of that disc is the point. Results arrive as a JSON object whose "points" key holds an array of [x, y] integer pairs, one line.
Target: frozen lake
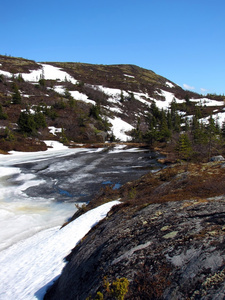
{"points": [[37, 195], [38, 190]]}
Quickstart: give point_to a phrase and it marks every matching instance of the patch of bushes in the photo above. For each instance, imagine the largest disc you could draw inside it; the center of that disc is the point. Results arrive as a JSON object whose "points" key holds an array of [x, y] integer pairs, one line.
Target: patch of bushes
{"points": [[29, 123], [115, 290]]}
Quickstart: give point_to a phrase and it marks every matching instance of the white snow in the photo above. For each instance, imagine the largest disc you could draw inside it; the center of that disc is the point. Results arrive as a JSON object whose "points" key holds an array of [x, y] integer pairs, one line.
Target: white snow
{"points": [[169, 84], [82, 97], [114, 109], [6, 74], [75, 94], [114, 94], [126, 75], [207, 102], [55, 149], [46, 71], [119, 128], [59, 89], [218, 118], [53, 130], [169, 97], [22, 215], [31, 265], [143, 97]]}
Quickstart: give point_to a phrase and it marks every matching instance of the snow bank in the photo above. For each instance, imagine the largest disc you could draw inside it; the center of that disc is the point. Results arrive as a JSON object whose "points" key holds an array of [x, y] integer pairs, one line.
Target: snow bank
{"points": [[46, 71], [169, 97], [82, 97], [59, 89], [119, 129], [6, 74], [56, 149], [75, 94], [30, 266], [218, 118], [114, 94], [207, 102]]}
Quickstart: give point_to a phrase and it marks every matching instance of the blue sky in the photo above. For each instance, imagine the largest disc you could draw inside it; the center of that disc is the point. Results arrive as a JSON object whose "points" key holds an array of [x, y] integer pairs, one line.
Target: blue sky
{"points": [[181, 40]]}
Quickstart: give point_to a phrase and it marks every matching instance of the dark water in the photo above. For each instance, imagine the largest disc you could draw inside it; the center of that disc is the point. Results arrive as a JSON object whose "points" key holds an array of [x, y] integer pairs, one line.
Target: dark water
{"points": [[79, 176]]}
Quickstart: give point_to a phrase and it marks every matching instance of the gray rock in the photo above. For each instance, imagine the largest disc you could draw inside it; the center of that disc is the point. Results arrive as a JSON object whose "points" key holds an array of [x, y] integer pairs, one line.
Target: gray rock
{"points": [[217, 158], [172, 250]]}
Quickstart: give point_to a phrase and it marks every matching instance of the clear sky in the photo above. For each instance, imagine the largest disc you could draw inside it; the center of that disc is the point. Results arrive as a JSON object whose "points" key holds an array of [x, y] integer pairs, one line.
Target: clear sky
{"points": [[182, 40]]}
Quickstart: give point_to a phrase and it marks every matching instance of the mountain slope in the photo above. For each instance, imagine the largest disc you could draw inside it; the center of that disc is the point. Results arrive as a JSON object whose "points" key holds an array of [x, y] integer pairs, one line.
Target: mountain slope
{"points": [[84, 102]]}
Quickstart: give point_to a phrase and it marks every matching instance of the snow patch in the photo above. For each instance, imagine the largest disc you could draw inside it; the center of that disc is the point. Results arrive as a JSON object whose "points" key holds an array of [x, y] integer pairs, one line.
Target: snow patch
{"points": [[75, 94], [169, 97], [31, 265], [54, 146], [114, 94], [6, 74], [59, 89], [207, 102], [169, 84], [130, 76], [119, 129], [144, 98], [82, 97], [114, 109], [53, 130], [47, 72], [218, 118]]}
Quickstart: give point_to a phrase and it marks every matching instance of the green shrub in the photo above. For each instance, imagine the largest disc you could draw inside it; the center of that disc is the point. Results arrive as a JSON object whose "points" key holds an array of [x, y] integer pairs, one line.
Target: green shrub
{"points": [[16, 97], [29, 123], [9, 135], [3, 116], [115, 290], [42, 82], [95, 112], [119, 288], [132, 193], [59, 105]]}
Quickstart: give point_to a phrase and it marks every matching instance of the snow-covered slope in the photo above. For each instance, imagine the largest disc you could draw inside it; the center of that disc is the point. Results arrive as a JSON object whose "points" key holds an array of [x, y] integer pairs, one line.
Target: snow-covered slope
{"points": [[30, 266], [128, 90]]}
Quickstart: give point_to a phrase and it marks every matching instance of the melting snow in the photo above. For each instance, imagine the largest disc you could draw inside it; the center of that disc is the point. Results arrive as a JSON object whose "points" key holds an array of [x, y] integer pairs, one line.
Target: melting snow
{"points": [[59, 89], [207, 102], [6, 74], [47, 72], [169, 97], [82, 97], [31, 265], [119, 128], [114, 109]]}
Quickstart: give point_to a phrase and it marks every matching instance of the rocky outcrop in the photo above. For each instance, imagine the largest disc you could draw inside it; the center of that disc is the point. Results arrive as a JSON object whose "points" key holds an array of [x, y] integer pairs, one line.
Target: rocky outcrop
{"points": [[166, 249]]}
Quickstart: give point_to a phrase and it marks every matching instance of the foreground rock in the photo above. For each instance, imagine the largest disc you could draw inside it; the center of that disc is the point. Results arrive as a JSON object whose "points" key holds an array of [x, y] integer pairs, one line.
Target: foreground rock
{"points": [[166, 249]]}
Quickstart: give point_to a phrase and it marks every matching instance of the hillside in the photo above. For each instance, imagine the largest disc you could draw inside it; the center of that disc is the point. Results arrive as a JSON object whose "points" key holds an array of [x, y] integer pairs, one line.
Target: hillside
{"points": [[166, 239], [84, 103]]}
